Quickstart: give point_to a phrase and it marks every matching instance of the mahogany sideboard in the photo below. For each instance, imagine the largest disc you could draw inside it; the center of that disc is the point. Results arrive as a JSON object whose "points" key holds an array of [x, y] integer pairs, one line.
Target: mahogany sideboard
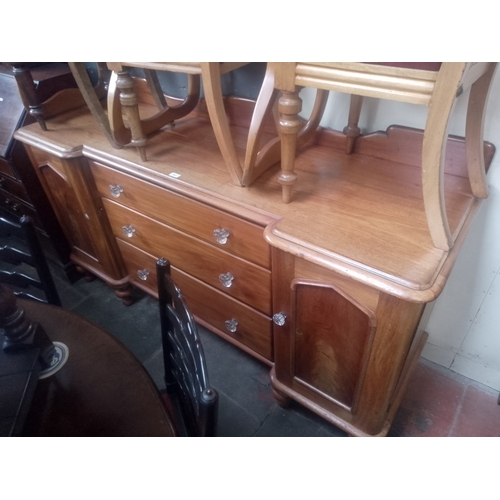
{"points": [[330, 290]]}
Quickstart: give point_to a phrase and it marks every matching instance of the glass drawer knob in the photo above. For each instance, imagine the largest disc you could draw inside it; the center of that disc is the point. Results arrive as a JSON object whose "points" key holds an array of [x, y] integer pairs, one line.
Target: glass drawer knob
{"points": [[128, 231], [221, 236], [279, 319], [143, 274], [232, 325], [116, 190], [226, 279]]}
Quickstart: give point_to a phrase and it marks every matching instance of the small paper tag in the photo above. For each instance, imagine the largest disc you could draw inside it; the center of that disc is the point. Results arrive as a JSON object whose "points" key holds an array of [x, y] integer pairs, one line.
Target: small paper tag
{"points": [[174, 175]]}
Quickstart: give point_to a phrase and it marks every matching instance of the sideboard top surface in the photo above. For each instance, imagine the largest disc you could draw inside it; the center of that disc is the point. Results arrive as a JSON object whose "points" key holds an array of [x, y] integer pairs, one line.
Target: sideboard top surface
{"points": [[361, 215]]}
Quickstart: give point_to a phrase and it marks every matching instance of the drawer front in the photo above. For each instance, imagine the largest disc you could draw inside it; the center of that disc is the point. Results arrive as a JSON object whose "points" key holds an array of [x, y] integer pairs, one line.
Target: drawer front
{"points": [[253, 329], [245, 239], [250, 283]]}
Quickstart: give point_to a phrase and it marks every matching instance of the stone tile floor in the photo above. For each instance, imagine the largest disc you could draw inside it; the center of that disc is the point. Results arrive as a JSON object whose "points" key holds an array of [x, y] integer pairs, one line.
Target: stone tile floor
{"points": [[437, 402]]}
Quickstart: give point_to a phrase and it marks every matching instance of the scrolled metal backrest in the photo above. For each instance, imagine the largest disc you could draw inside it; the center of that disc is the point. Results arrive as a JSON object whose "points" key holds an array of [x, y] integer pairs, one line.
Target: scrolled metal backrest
{"points": [[186, 374], [13, 252]]}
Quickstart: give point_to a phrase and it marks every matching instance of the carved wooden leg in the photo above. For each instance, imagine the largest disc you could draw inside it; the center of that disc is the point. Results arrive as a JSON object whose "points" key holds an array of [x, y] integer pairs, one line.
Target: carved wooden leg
{"points": [[352, 130], [87, 276], [19, 331], [124, 292], [129, 102], [290, 105], [282, 400], [27, 90]]}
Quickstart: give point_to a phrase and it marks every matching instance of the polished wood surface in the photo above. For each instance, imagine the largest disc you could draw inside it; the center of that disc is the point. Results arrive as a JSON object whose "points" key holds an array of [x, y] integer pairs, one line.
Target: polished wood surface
{"points": [[354, 244], [392, 211], [210, 306], [251, 283], [102, 390], [437, 89]]}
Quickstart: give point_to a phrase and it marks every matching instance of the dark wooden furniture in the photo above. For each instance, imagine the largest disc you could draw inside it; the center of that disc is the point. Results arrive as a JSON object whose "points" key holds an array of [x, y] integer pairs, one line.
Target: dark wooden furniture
{"points": [[329, 290], [102, 389], [20, 190], [20, 245], [26, 350], [186, 375]]}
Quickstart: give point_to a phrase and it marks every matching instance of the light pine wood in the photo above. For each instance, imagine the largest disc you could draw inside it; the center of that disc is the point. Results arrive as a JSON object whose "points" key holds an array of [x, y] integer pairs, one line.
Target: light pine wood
{"points": [[474, 132], [352, 131], [433, 151], [436, 89]]}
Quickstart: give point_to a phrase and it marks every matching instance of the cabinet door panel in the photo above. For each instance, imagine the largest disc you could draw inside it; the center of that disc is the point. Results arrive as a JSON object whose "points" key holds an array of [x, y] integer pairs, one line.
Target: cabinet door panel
{"points": [[332, 336], [68, 212]]}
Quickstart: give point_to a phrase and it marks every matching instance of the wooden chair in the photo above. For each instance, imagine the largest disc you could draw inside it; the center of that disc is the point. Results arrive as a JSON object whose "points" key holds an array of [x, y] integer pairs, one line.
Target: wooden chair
{"points": [[437, 87], [122, 100], [52, 98], [20, 246], [194, 402]]}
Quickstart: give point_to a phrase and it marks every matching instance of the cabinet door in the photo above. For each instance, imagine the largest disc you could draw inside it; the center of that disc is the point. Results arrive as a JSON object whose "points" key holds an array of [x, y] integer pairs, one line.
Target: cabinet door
{"points": [[324, 351], [70, 188]]}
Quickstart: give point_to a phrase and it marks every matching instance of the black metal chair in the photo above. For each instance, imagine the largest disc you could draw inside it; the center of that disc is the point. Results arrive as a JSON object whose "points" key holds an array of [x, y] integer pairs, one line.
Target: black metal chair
{"points": [[20, 247], [193, 401]]}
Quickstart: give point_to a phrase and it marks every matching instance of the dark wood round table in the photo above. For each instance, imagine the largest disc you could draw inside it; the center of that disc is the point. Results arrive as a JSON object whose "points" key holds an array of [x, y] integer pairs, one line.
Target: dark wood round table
{"points": [[102, 390]]}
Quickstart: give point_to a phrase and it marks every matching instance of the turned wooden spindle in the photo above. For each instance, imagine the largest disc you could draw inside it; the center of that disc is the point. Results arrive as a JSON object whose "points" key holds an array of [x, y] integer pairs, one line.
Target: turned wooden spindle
{"points": [[130, 104], [19, 331], [289, 106], [352, 130], [27, 91]]}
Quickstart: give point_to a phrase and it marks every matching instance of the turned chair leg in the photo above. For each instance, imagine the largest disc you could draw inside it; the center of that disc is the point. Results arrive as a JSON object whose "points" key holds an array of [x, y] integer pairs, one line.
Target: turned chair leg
{"points": [[352, 130], [289, 105], [130, 105], [27, 90]]}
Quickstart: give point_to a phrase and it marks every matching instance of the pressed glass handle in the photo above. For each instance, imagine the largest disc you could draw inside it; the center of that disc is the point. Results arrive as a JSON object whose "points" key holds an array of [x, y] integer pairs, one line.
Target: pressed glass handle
{"points": [[232, 325], [279, 318], [226, 279], [143, 274], [128, 231], [116, 190], [221, 236]]}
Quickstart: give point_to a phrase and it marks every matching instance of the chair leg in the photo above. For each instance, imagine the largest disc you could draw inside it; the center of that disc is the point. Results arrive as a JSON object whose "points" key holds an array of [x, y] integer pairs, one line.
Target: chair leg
{"points": [[92, 100], [27, 90], [352, 131], [211, 76], [290, 105], [433, 152], [474, 133], [130, 105]]}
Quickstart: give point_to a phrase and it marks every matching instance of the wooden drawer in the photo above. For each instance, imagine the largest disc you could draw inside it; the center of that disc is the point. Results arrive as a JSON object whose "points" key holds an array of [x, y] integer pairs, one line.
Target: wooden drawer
{"points": [[251, 283], [245, 239], [254, 329]]}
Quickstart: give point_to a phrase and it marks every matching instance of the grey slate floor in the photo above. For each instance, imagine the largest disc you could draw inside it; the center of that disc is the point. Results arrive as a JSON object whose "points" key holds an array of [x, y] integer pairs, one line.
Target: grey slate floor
{"points": [[247, 406]]}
